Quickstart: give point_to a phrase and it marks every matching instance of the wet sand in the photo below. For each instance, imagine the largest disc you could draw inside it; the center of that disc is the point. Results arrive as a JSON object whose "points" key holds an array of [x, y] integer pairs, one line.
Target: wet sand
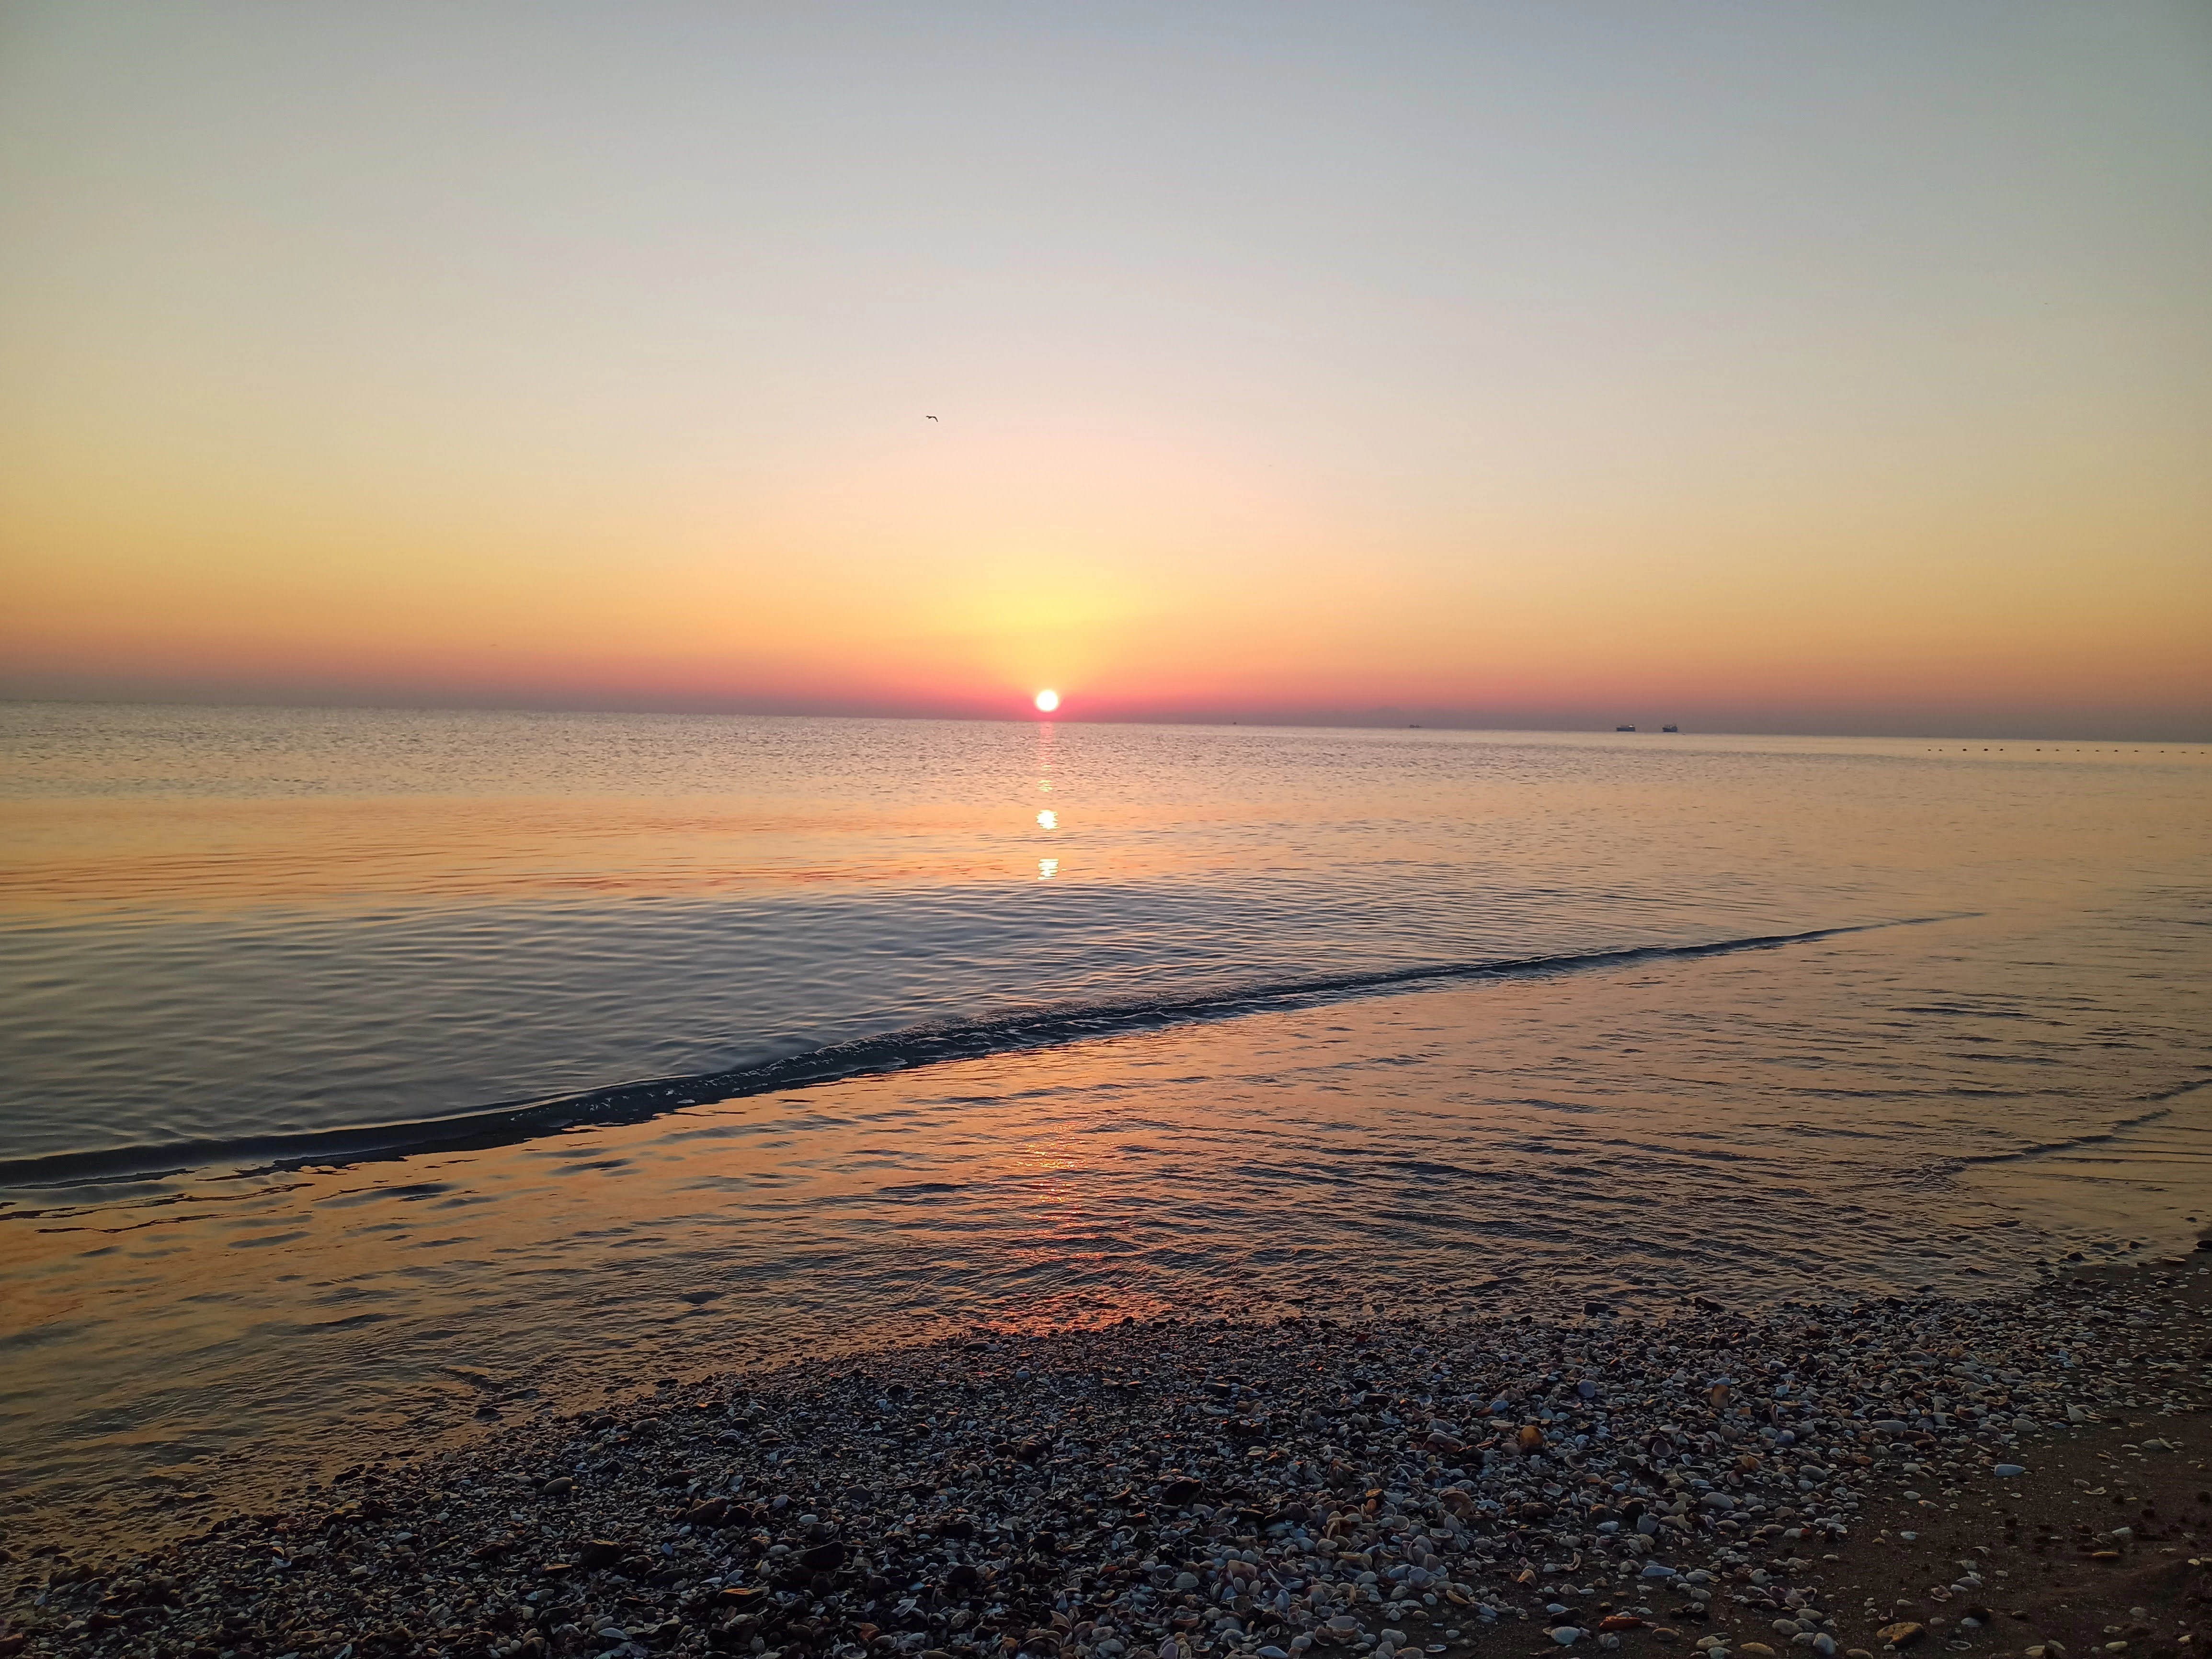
{"points": [[1989, 1476]]}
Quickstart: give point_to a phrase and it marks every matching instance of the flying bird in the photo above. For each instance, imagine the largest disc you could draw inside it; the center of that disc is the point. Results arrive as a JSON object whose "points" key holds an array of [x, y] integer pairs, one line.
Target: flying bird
{"points": [[933, 417]]}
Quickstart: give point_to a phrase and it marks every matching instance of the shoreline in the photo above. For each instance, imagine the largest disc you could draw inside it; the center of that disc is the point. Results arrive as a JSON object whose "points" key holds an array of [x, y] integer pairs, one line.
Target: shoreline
{"points": [[1465, 1489]]}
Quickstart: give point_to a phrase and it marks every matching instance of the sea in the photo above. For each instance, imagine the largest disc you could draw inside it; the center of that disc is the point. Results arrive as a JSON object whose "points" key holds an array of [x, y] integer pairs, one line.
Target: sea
{"points": [[371, 1078]]}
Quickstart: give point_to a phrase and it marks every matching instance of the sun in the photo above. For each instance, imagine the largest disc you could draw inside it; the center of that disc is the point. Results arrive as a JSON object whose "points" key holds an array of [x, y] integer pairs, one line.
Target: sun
{"points": [[1047, 701]]}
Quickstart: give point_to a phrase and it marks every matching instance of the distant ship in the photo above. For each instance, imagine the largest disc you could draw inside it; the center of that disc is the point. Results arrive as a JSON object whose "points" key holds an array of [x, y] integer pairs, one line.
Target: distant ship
{"points": [[1670, 728], [1624, 728]]}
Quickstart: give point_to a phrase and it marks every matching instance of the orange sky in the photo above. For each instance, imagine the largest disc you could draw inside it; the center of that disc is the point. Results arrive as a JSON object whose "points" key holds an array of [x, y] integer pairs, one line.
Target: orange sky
{"points": [[1814, 373]]}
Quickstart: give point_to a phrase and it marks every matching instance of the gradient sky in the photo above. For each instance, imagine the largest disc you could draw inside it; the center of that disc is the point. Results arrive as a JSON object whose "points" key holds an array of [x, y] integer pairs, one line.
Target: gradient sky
{"points": [[1762, 366]]}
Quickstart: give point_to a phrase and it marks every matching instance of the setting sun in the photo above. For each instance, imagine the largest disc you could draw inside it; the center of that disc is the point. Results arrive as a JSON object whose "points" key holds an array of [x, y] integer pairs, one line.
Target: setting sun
{"points": [[1047, 701]]}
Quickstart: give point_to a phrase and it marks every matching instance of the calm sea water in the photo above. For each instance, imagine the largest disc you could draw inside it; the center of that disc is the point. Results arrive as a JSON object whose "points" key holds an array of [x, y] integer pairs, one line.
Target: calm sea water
{"points": [[369, 1071]]}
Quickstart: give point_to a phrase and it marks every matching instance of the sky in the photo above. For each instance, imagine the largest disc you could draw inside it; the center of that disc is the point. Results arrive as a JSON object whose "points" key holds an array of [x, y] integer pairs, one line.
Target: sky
{"points": [[1757, 367]]}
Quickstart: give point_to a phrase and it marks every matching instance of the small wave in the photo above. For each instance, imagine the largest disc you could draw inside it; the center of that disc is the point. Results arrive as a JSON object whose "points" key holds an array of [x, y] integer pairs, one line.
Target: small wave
{"points": [[2113, 1131], [625, 1103]]}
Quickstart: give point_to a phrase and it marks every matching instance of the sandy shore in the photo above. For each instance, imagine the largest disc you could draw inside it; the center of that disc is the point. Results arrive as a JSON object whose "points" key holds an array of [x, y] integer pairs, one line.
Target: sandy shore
{"points": [[1998, 1476]]}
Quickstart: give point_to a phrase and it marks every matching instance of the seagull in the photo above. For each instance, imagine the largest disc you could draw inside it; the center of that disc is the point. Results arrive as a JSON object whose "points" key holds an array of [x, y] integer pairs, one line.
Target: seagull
{"points": [[933, 417]]}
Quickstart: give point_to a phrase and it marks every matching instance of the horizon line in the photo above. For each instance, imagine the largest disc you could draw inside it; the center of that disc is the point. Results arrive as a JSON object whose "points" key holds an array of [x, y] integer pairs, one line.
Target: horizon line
{"points": [[1346, 720]]}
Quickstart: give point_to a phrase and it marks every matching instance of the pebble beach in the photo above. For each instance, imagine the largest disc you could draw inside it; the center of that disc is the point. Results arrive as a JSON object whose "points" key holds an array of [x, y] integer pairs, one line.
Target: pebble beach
{"points": [[1013, 831], [1851, 1479]]}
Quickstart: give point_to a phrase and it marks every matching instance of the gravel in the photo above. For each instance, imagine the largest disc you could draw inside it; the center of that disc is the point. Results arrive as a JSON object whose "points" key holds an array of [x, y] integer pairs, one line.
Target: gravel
{"points": [[1161, 1491]]}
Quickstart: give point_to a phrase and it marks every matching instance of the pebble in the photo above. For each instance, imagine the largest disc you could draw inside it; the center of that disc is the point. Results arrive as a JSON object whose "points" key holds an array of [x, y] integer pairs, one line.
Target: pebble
{"points": [[1148, 1491]]}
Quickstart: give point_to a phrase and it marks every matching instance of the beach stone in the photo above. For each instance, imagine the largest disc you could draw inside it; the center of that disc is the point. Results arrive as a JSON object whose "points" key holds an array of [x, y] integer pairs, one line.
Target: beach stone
{"points": [[1351, 1510], [1565, 1635], [2006, 1471], [1903, 1634]]}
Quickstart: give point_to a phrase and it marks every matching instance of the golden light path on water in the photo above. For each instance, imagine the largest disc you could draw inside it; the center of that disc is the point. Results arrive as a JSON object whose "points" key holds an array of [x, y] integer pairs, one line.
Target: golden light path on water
{"points": [[244, 927]]}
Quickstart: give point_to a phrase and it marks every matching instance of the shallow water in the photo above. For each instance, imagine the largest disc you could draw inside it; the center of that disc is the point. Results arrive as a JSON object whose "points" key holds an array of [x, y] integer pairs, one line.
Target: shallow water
{"points": [[1136, 1056]]}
